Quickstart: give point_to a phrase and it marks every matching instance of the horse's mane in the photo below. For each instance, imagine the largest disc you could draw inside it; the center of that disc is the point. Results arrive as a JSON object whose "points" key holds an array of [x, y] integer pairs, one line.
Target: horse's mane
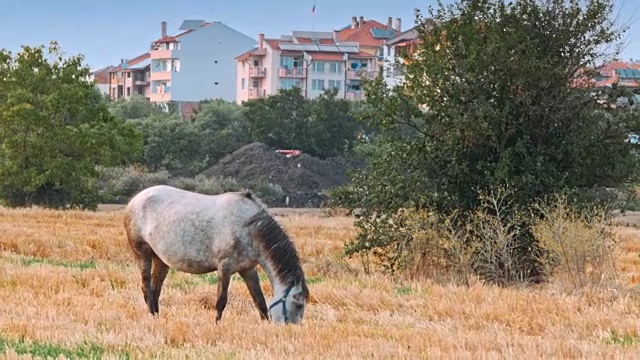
{"points": [[278, 248]]}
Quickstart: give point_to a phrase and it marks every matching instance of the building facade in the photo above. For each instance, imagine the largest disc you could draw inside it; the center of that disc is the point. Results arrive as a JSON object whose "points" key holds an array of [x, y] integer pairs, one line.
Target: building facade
{"points": [[313, 61], [130, 77], [395, 50], [197, 64]]}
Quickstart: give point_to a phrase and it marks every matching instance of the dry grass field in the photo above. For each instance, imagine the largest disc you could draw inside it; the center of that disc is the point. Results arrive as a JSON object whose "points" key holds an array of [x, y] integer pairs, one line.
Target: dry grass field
{"points": [[68, 288]]}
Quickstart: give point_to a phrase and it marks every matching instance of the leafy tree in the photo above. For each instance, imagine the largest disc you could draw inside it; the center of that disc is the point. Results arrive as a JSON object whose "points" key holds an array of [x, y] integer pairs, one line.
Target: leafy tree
{"points": [[135, 107], [279, 120], [54, 129], [490, 99], [223, 128], [325, 126], [185, 147]]}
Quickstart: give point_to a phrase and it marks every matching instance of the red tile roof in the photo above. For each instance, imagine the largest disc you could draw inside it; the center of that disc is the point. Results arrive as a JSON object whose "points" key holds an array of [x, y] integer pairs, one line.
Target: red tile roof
{"points": [[134, 61], [362, 54], [362, 34], [274, 43], [248, 54], [102, 76], [322, 56], [608, 71]]}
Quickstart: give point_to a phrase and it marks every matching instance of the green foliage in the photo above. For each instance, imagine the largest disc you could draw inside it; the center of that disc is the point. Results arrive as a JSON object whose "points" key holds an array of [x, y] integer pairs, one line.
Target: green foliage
{"points": [[119, 184], [136, 107], [187, 148], [325, 126], [54, 129], [489, 101], [45, 350]]}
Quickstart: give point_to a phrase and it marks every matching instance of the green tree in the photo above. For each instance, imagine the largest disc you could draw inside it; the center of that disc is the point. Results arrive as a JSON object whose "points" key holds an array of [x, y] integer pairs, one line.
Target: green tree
{"points": [[135, 107], [490, 100], [223, 128], [55, 128], [279, 120], [187, 147], [325, 126]]}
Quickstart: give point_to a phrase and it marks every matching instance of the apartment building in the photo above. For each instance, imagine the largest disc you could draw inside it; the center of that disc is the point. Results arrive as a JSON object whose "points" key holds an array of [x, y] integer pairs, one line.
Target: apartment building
{"points": [[313, 61], [100, 77], [370, 35], [394, 51], [132, 76], [196, 64]]}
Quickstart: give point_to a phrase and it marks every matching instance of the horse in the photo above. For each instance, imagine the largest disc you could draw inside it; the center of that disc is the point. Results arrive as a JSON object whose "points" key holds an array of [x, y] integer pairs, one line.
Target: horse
{"points": [[229, 233]]}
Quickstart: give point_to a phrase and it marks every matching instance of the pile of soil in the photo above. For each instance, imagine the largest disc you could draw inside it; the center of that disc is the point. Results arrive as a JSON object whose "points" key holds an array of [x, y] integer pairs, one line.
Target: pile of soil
{"points": [[301, 177]]}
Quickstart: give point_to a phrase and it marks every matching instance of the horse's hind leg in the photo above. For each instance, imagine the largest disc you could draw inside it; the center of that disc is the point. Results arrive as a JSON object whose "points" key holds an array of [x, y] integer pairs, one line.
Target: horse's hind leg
{"points": [[144, 256], [252, 280], [158, 274]]}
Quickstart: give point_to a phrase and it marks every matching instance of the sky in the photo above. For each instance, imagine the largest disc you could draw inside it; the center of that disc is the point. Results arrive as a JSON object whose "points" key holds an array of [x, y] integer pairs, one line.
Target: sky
{"points": [[108, 30]]}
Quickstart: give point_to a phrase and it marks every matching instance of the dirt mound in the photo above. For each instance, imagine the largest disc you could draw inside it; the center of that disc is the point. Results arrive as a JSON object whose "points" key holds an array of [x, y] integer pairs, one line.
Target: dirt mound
{"points": [[301, 177]]}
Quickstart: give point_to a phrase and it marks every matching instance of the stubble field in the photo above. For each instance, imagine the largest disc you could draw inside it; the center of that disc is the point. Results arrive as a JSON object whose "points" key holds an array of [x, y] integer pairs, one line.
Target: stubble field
{"points": [[69, 287]]}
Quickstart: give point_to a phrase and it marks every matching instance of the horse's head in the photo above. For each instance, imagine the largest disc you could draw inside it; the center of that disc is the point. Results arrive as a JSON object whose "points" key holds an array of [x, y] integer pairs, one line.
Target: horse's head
{"points": [[289, 308]]}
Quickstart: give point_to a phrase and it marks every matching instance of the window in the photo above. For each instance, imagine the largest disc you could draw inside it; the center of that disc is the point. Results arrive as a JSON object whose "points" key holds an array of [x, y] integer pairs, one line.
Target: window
{"points": [[317, 85], [128, 91], [335, 68], [128, 75], [318, 67], [290, 83], [175, 65], [335, 84], [358, 65], [289, 62], [244, 83], [255, 83], [256, 62]]}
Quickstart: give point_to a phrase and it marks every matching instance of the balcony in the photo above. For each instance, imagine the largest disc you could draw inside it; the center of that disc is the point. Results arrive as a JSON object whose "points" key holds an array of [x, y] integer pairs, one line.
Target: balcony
{"points": [[358, 74], [256, 71], [354, 95], [160, 75], [296, 72], [255, 93], [162, 54], [159, 97]]}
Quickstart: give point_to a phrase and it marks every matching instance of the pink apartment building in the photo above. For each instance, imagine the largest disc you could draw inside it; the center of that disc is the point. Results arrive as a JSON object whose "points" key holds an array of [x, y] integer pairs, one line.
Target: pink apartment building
{"points": [[130, 77], [313, 61]]}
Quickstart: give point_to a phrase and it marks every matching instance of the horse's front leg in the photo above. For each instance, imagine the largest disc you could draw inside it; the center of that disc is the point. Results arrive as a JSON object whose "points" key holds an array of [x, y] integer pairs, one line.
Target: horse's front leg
{"points": [[224, 278], [252, 280]]}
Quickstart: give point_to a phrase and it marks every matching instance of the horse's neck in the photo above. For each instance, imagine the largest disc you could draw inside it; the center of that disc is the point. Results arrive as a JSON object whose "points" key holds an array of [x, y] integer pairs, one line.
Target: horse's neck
{"points": [[279, 287]]}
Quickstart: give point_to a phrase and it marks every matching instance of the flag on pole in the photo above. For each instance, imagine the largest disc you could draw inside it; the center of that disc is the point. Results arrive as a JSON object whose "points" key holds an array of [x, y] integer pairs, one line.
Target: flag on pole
{"points": [[313, 9]]}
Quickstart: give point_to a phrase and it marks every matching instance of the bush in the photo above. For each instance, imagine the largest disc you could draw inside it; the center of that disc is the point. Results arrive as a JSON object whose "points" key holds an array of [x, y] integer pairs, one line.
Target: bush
{"points": [[575, 248], [580, 246], [118, 184]]}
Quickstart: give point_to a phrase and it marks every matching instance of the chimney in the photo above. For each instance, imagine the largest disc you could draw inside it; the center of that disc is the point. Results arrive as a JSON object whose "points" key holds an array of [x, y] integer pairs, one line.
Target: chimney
{"points": [[398, 24], [361, 23], [260, 41], [390, 23], [163, 29], [354, 22]]}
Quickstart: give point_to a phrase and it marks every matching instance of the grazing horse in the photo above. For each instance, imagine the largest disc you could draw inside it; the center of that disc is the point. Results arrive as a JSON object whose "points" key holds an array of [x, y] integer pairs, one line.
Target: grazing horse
{"points": [[231, 233]]}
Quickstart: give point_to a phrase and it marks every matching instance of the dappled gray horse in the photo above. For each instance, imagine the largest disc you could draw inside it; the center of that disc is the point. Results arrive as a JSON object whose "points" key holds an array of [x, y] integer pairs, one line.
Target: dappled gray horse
{"points": [[230, 233]]}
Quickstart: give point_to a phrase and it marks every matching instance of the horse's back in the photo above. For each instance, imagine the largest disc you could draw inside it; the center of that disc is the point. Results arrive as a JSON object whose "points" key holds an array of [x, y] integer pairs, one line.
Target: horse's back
{"points": [[181, 224]]}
